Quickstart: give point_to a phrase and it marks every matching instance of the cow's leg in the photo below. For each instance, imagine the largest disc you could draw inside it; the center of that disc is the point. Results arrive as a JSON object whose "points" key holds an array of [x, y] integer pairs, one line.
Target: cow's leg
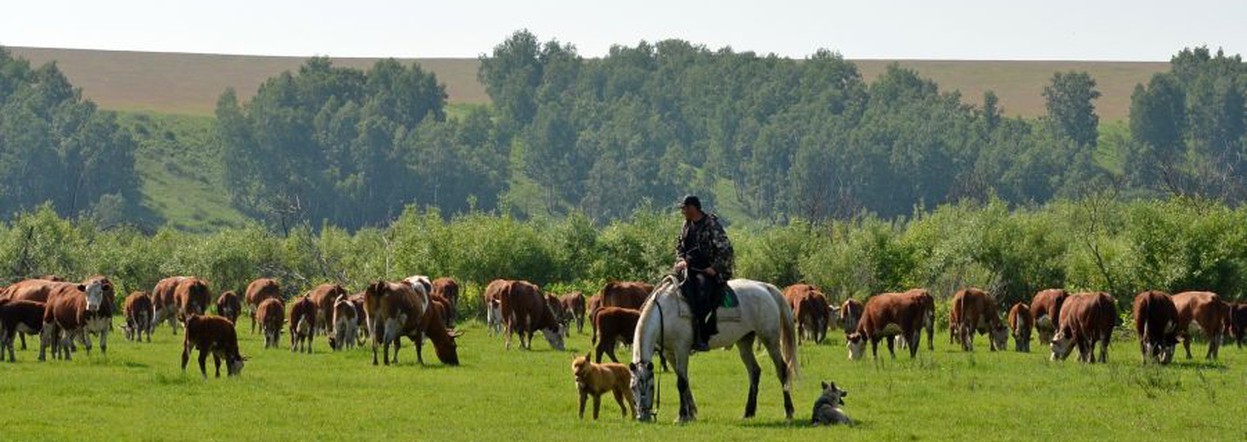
{"points": [[23, 335], [874, 348], [1214, 340], [45, 340], [1186, 345], [186, 355], [915, 339], [892, 346], [745, 346], [610, 350], [203, 363], [398, 343], [419, 341], [216, 360], [104, 341], [510, 330]]}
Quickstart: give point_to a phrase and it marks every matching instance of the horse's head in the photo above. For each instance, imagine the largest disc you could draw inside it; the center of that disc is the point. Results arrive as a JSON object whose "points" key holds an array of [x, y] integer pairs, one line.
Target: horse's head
{"points": [[643, 390]]}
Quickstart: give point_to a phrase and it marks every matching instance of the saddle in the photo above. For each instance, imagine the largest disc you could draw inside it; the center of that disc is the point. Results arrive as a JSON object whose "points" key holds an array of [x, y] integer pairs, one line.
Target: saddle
{"points": [[728, 310]]}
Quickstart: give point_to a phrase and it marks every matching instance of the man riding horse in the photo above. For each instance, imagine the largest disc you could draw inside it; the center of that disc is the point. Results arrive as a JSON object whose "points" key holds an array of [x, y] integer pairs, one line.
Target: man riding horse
{"points": [[705, 252]]}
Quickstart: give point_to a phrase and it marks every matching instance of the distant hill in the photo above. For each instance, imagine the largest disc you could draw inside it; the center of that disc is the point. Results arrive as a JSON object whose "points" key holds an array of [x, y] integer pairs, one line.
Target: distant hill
{"points": [[190, 83]]}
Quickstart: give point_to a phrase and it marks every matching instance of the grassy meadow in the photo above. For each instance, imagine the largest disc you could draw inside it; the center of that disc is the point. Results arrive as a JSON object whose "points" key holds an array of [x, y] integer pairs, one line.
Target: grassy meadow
{"points": [[138, 392]]}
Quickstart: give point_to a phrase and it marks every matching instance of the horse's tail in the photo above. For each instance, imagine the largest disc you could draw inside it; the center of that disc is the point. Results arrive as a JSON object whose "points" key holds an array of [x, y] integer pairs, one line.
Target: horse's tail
{"points": [[787, 334]]}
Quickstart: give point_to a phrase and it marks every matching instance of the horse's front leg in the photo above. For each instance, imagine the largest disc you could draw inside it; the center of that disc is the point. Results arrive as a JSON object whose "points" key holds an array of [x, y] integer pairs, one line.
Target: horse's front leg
{"points": [[688, 409]]}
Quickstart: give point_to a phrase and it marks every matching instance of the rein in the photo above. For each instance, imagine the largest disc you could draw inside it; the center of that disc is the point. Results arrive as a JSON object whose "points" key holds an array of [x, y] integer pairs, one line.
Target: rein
{"points": [[661, 337]]}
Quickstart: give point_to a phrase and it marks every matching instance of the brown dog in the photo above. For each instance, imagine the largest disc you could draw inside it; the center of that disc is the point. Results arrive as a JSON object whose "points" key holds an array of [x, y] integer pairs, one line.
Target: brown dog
{"points": [[597, 379]]}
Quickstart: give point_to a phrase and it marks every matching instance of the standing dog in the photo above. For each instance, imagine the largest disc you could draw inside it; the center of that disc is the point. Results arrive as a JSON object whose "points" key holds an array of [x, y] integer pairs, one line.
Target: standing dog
{"points": [[827, 408], [597, 379]]}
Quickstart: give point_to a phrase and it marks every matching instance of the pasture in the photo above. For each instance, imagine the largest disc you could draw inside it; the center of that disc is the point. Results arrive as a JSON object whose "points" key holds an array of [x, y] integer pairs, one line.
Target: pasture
{"points": [[138, 392]]}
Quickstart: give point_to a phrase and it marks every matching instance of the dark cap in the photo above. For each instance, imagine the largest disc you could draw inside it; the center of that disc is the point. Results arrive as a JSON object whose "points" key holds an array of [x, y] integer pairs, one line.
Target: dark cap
{"points": [[690, 200]]}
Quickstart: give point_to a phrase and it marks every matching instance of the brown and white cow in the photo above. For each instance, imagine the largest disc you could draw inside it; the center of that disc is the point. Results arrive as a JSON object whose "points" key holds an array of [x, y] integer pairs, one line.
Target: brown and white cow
{"points": [[215, 335], [850, 312], [138, 310], [888, 315], [323, 297], [614, 324], [448, 289], [1156, 322], [229, 306], [164, 304], [272, 316], [18, 316], [302, 324], [1046, 310], [1237, 326], [259, 290], [193, 297], [573, 309], [1086, 318], [1021, 322], [525, 311], [626, 294], [77, 311], [493, 304], [1208, 311], [974, 310], [34, 290], [433, 327], [345, 324], [388, 307]]}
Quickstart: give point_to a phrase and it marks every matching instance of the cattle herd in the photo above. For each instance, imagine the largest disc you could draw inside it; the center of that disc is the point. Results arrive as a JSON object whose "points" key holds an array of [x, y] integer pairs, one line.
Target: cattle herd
{"points": [[65, 314]]}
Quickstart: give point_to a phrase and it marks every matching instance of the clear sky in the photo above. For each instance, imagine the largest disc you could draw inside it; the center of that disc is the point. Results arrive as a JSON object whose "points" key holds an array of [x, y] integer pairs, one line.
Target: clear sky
{"points": [[1143, 30]]}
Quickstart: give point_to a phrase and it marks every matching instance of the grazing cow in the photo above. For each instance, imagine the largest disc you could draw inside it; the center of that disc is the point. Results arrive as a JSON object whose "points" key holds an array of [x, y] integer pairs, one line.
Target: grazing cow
{"points": [[524, 311], [388, 307], [1208, 311], [1237, 326], [192, 297], [811, 309], [164, 304], [257, 292], [272, 316], [1020, 321], [975, 310], [573, 308], [924, 299], [76, 311], [302, 324], [625, 294], [1086, 318], [448, 289], [229, 306], [34, 290], [850, 313], [614, 324], [18, 316], [886, 316], [345, 324], [1156, 322], [323, 297], [493, 304], [434, 328], [138, 310], [216, 335], [1046, 310]]}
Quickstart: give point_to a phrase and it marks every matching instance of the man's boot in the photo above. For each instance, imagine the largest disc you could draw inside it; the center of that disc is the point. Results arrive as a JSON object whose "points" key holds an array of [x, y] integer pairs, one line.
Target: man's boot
{"points": [[699, 335]]}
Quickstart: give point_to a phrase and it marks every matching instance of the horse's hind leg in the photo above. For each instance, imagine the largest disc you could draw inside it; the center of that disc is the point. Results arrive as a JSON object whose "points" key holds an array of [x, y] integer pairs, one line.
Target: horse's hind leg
{"points": [[745, 346], [781, 370]]}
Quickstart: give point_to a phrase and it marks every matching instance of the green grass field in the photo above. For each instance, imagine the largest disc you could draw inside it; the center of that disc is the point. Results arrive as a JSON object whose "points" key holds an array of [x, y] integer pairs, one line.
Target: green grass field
{"points": [[138, 392]]}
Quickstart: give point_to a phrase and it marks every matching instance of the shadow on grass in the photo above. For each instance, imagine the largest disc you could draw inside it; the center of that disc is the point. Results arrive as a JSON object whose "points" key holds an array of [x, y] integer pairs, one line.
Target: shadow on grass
{"points": [[802, 424]]}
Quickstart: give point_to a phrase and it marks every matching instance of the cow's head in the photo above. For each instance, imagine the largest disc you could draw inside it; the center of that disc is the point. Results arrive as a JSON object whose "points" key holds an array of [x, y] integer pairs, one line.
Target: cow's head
{"points": [[1000, 337], [95, 293], [643, 389], [856, 343], [235, 364], [554, 335], [449, 354], [1062, 344]]}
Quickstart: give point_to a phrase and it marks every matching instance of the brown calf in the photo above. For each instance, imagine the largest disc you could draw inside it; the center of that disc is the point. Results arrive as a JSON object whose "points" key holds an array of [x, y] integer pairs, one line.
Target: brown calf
{"points": [[1020, 321], [229, 306], [492, 299], [525, 311], [614, 324], [272, 316], [212, 334], [302, 324], [924, 299], [974, 310], [886, 316], [18, 316], [138, 310]]}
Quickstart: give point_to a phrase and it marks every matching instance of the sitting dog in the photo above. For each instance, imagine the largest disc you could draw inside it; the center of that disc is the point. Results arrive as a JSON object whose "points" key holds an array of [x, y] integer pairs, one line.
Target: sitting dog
{"points": [[827, 408], [597, 379]]}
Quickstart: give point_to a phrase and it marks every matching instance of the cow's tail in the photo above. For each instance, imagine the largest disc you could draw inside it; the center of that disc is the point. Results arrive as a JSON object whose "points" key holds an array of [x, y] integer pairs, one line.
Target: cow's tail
{"points": [[787, 335]]}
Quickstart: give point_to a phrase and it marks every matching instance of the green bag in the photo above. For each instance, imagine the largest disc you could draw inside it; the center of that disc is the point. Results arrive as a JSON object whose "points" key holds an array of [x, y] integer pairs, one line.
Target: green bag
{"points": [[729, 297]]}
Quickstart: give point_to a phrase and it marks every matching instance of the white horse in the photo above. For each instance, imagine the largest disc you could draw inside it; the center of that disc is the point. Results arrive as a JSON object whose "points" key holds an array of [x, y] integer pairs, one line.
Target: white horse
{"points": [[762, 313]]}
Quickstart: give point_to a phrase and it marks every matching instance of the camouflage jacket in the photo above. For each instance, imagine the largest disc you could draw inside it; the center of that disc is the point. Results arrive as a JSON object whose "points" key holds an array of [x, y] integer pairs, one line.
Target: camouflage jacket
{"points": [[704, 244]]}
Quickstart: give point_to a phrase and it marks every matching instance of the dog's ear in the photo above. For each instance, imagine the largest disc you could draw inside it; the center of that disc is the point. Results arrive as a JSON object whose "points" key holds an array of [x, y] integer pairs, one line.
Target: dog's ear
{"points": [[586, 355], [824, 385], [632, 366]]}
